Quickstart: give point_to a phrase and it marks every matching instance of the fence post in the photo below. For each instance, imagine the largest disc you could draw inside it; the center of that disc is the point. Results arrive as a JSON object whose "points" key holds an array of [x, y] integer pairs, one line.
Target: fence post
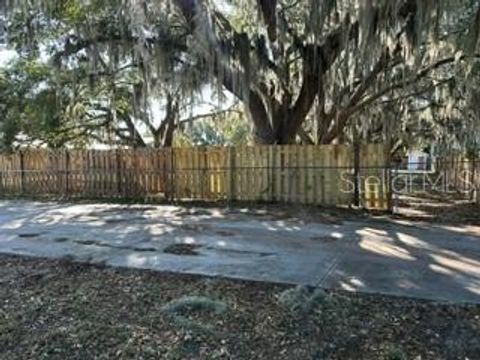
{"points": [[172, 175], [272, 172], [67, 172], [389, 180], [22, 173], [474, 178], [231, 173], [356, 173], [119, 174], [202, 170]]}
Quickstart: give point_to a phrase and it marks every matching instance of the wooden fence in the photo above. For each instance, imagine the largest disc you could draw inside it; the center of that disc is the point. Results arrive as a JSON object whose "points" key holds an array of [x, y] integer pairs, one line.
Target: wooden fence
{"points": [[322, 175]]}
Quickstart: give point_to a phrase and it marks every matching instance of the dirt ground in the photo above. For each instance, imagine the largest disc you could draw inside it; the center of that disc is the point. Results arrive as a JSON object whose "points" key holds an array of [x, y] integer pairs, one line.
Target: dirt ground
{"points": [[444, 208], [59, 309]]}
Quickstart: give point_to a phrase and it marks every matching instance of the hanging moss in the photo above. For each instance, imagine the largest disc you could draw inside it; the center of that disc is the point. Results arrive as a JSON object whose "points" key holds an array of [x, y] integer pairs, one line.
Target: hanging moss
{"points": [[259, 47]]}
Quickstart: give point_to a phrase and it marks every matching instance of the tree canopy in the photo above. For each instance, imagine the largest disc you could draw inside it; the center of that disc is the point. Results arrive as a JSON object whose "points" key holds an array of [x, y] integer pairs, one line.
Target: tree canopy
{"points": [[310, 71]]}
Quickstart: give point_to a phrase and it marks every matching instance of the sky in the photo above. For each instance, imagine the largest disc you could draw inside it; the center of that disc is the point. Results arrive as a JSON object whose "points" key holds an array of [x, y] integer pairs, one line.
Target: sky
{"points": [[6, 56]]}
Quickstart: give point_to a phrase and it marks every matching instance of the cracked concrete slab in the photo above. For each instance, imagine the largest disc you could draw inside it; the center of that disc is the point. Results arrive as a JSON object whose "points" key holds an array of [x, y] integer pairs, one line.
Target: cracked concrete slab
{"points": [[387, 257]]}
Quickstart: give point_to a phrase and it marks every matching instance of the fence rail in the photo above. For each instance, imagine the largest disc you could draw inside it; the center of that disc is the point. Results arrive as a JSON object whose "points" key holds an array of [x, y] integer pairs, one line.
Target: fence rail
{"points": [[321, 175]]}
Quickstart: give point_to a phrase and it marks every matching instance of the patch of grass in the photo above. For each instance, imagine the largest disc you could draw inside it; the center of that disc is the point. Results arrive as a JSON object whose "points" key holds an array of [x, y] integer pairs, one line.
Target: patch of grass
{"points": [[303, 300], [182, 312], [395, 353]]}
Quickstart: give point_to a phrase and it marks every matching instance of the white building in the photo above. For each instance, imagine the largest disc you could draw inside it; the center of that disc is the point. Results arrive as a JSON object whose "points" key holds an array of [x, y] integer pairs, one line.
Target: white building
{"points": [[418, 160]]}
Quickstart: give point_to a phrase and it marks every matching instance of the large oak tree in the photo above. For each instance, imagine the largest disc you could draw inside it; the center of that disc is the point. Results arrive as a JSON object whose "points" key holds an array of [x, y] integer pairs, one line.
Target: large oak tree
{"points": [[285, 58], [287, 61]]}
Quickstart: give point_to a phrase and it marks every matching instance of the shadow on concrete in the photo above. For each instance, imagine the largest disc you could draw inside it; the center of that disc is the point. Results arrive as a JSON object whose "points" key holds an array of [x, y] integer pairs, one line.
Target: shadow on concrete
{"points": [[394, 257]]}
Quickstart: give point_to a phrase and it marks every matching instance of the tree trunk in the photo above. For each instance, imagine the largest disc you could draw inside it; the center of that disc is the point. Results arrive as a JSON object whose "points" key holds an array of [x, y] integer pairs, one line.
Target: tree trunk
{"points": [[279, 126], [262, 128], [163, 136], [169, 131]]}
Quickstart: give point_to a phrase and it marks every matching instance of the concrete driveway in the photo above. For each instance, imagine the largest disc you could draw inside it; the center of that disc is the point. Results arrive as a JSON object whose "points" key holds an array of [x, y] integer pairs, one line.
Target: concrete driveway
{"points": [[377, 256]]}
